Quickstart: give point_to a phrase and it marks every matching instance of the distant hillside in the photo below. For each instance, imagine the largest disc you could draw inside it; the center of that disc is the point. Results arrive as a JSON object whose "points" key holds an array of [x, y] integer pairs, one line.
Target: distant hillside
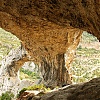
{"points": [[86, 64], [87, 38], [7, 42], [89, 41]]}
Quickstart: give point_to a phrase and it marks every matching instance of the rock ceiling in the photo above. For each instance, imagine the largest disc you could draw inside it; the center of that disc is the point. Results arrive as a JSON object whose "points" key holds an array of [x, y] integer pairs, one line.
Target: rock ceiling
{"points": [[49, 27]]}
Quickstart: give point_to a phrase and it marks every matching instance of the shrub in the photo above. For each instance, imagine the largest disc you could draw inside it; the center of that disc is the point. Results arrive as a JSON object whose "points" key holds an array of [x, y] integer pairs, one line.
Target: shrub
{"points": [[35, 87], [28, 74], [7, 96]]}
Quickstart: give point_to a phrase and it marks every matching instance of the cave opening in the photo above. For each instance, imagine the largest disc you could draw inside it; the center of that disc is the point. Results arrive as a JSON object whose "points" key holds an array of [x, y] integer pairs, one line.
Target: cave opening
{"points": [[85, 66]]}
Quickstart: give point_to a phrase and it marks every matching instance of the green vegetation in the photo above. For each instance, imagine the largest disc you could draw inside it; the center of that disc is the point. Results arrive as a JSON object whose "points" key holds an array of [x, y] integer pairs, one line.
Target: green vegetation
{"points": [[27, 74], [7, 96], [86, 64], [86, 37], [7, 42], [35, 87]]}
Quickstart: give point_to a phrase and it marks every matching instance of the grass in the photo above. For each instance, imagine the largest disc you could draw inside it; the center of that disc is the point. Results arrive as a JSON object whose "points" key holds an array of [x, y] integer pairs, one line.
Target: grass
{"points": [[35, 87], [7, 96]]}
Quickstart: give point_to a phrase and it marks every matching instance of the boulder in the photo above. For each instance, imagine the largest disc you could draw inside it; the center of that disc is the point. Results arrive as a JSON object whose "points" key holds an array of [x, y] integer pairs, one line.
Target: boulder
{"points": [[83, 91]]}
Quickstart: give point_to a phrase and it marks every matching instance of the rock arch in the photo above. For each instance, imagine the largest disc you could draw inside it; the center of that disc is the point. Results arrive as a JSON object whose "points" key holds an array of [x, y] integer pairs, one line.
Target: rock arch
{"points": [[54, 69], [48, 27]]}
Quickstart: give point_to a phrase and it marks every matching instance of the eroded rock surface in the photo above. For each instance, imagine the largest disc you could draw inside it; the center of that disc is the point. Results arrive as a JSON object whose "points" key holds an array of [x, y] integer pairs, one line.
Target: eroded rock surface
{"points": [[9, 80], [44, 25], [44, 29], [85, 91]]}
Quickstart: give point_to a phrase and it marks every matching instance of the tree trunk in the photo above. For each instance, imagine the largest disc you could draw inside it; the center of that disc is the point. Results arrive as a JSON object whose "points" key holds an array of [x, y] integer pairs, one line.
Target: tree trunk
{"points": [[54, 71]]}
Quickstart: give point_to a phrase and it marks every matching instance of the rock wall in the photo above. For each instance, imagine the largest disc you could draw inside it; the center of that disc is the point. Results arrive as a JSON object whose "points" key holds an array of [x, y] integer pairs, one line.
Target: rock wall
{"points": [[17, 57], [41, 37], [9, 80], [58, 75]]}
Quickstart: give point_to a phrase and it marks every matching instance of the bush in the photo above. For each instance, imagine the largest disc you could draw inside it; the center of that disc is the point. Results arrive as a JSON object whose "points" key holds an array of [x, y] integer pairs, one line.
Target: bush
{"points": [[34, 87], [28, 74], [7, 96]]}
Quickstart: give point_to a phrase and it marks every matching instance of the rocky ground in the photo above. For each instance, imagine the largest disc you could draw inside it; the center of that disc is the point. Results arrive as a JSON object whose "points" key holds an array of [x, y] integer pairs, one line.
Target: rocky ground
{"points": [[84, 91]]}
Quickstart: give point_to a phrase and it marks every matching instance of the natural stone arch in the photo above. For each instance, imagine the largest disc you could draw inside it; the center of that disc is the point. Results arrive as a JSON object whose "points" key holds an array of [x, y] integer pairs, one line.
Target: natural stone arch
{"points": [[58, 74], [42, 38], [42, 24]]}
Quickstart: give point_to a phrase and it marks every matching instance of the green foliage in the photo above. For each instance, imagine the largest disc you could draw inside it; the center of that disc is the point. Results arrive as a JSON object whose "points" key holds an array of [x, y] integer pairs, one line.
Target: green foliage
{"points": [[23, 75], [38, 87], [28, 74], [7, 42], [86, 64], [7, 96], [34, 87]]}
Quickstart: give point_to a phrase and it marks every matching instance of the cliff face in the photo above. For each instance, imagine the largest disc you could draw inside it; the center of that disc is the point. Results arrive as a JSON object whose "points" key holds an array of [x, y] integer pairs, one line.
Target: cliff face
{"points": [[44, 25], [9, 75]]}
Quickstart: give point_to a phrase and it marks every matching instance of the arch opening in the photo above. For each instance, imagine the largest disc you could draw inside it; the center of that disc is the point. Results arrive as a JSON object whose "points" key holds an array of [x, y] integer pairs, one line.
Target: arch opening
{"points": [[12, 58]]}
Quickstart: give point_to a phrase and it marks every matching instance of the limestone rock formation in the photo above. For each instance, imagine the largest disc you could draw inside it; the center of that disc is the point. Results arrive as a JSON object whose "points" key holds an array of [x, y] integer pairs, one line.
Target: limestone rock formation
{"points": [[43, 29], [48, 28], [9, 80]]}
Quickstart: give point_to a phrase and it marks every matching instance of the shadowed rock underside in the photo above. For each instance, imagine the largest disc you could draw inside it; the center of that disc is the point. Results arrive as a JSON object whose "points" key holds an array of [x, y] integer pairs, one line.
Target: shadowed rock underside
{"points": [[43, 25]]}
